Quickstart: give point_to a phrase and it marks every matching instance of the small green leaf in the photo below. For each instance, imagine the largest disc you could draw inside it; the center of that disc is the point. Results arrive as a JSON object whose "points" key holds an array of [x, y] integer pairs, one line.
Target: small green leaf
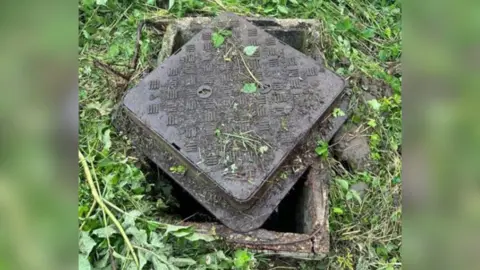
{"points": [[200, 236], [368, 33], [295, 2], [263, 149], [342, 183], [356, 196], [86, 243], [383, 55], [158, 264], [105, 232], [388, 32], [102, 2], [182, 262], [249, 88], [372, 123], [142, 258], [130, 217], [242, 258], [107, 142], [151, 2], [349, 196], [217, 40], [103, 262], [374, 104], [138, 236], [344, 25], [321, 150], [113, 51], [156, 240], [396, 180], [88, 3], [338, 112], [338, 210], [170, 4], [174, 228], [83, 263], [282, 9], [180, 169], [250, 50], [225, 33], [182, 233], [269, 10]]}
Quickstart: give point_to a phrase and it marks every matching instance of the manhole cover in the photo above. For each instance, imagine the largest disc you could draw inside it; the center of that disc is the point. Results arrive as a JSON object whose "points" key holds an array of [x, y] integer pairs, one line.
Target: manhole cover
{"points": [[232, 142]]}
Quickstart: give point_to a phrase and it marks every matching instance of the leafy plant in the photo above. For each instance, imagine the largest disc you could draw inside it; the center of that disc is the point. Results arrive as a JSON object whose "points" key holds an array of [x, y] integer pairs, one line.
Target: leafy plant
{"points": [[263, 149], [179, 169], [374, 104], [322, 149], [218, 38], [244, 260], [338, 112]]}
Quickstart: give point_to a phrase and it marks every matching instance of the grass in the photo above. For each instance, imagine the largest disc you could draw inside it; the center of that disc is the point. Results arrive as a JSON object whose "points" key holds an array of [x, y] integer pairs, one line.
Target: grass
{"points": [[361, 41]]}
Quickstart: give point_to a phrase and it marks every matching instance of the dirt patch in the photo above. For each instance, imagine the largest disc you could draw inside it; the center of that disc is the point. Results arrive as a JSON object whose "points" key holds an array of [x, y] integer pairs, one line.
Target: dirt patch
{"points": [[374, 87]]}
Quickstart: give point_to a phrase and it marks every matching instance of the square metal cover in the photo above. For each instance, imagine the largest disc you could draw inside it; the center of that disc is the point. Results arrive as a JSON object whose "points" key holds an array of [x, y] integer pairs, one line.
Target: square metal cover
{"points": [[194, 104]]}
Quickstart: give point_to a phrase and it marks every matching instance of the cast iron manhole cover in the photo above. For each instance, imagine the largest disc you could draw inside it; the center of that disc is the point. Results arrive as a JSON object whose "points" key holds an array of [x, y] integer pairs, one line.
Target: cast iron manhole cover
{"points": [[231, 142]]}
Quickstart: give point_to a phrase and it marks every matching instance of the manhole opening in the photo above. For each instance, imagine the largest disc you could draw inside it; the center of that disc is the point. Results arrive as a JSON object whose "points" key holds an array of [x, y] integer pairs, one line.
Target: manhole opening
{"points": [[294, 36], [184, 207], [287, 217]]}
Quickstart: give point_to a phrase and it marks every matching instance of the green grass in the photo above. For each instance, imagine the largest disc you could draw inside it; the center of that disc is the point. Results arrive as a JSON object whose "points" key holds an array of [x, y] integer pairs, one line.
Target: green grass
{"points": [[361, 40]]}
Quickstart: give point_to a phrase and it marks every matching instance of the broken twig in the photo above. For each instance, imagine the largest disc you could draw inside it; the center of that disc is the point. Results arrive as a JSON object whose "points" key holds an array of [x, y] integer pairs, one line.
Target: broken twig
{"points": [[106, 67]]}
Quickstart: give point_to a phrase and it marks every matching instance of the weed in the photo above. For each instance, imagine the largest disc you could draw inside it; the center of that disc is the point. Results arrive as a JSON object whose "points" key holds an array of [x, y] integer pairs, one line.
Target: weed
{"points": [[262, 149], [179, 169], [338, 112], [244, 260], [322, 149], [218, 37]]}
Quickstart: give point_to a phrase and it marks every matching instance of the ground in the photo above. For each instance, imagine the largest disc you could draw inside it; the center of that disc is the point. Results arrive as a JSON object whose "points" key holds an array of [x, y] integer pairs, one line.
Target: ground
{"points": [[117, 210]]}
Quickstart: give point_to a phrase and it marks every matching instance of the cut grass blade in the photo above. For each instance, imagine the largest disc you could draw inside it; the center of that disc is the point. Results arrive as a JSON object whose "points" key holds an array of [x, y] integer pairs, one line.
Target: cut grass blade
{"points": [[99, 200]]}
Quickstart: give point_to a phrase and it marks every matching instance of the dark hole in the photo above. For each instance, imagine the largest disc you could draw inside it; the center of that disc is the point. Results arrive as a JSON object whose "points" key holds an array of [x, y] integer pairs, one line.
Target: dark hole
{"points": [[176, 146], [183, 206], [346, 165], [288, 216], [177, 43], [263, 22], [265, 85], [180, 203]]}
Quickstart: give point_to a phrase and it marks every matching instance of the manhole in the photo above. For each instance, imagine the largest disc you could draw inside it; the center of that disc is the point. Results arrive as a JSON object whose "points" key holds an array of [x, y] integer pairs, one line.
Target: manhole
{"points": [[191, 112]]}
